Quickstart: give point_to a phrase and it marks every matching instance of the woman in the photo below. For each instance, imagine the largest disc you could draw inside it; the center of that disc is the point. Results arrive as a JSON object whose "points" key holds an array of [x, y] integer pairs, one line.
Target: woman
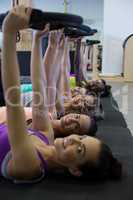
{"points": [[71, 123], [79, 103], [98, 86], [36, 148], [55, 62], [65, 126]]}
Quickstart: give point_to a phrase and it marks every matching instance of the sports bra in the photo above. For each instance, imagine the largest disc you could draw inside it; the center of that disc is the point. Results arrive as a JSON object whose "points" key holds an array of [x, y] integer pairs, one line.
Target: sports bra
{"points": [[7, 153]]}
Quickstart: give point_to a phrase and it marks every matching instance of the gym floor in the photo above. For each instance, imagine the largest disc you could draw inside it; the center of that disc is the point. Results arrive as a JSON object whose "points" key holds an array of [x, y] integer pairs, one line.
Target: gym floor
{"points": [[123, 94]]}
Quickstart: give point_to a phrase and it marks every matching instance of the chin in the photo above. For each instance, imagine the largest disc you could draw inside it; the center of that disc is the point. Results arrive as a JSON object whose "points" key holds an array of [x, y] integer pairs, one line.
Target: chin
{"points": [[58, 143]]}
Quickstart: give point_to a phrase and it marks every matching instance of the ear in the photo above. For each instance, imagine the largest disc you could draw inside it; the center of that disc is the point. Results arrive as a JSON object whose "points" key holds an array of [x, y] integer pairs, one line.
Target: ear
{"points": [[75, 172]]}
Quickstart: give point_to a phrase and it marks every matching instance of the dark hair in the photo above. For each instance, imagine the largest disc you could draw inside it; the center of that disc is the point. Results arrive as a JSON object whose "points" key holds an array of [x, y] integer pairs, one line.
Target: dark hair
{"points": [[107, 91], [86, 109], [93, 127], [106, 167], [103, 81]]}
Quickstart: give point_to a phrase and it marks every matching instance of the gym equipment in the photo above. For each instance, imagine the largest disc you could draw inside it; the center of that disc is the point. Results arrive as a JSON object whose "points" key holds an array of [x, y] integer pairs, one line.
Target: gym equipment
{"points": [[92, 42], [72, 23], [75, 31], [128, 58], [39, 19]]}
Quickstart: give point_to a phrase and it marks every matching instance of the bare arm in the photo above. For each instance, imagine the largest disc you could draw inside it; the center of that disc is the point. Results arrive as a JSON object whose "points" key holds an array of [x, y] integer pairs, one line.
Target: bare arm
{"points": [[66, 70], [60, 83], [51, 63], [40, 116], [23, 151]]}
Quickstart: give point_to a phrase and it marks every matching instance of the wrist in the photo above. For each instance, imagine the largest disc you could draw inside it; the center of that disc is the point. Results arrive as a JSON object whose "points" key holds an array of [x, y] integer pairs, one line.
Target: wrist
{"points": [[52, 46], [8, 31], [37, 38], [59, 52], [52, 49], [9, 36]]}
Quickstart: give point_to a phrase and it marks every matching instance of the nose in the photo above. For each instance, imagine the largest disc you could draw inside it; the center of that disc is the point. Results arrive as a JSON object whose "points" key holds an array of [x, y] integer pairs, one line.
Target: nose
{"points": [[75, 141], [71, 119]]}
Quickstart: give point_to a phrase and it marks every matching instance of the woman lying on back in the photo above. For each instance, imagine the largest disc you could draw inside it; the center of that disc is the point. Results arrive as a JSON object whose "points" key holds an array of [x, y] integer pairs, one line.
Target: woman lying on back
{"points": [[36, 148]]}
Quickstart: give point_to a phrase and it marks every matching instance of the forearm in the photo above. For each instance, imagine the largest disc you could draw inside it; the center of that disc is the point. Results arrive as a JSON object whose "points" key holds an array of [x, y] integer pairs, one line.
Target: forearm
{"points": [[60, 93], [39, 105], [48, 61], [66, 82], [52, 78], [11, 81], [11, 86], [36, 65], [38, 77], [66, 72]]}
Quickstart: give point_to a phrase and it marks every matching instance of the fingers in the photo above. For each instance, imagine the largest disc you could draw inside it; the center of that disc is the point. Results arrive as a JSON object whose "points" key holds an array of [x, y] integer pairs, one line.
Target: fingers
{"points": [[44, 32], [47, 26], [57, 38], [22, 12]]}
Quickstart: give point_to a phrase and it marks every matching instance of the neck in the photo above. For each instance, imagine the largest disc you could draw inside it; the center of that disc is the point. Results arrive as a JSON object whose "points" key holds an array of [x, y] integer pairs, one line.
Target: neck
{"points": [[67, 107], [56, 124], [50, 155]]}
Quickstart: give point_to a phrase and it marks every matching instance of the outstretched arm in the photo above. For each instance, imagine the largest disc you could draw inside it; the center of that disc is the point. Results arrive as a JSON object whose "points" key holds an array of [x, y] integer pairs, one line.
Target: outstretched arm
{"points": [[23, 151], [40, 116], [51, 64], [66, 69], [60, 82]]}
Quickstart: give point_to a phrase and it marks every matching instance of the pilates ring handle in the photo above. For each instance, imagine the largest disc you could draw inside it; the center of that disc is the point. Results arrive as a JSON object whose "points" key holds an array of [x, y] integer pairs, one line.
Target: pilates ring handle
{"points": [[38, 18], [80, 31]]}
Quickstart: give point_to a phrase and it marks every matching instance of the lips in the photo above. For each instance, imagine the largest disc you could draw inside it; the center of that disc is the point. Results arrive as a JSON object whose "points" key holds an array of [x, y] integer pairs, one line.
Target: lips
{"points": [[66, 121]]}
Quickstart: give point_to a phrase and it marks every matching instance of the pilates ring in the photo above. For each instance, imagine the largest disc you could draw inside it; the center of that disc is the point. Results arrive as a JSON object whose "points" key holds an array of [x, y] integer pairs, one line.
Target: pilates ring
{"points": [[74, 33], [39, 18], [92, 42], [72, 29], [83, 28], [79, 32]]}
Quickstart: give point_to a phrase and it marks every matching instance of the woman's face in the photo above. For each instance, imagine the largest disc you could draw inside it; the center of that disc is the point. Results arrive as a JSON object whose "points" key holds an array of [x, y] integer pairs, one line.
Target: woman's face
{"points": [[96, 85], [81, 101], [75, 150], [78, 90], [75, 123]]}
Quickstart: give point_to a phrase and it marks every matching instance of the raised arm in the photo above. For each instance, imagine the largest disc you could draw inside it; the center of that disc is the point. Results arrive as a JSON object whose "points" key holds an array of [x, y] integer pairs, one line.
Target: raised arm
{"points": [[23, 151], [60, 82], [66, 69], [51, 64], [40, 116]]}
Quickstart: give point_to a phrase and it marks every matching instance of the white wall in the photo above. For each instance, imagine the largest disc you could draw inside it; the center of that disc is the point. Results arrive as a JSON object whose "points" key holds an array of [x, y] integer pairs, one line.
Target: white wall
{"points": [[92, 13], [118, 24], [5, 5], [0, 40]]}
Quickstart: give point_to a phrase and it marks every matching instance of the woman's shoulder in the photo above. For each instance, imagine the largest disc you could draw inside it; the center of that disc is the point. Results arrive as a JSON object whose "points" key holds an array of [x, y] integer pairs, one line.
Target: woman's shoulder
{"points": [[19, 177]]}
